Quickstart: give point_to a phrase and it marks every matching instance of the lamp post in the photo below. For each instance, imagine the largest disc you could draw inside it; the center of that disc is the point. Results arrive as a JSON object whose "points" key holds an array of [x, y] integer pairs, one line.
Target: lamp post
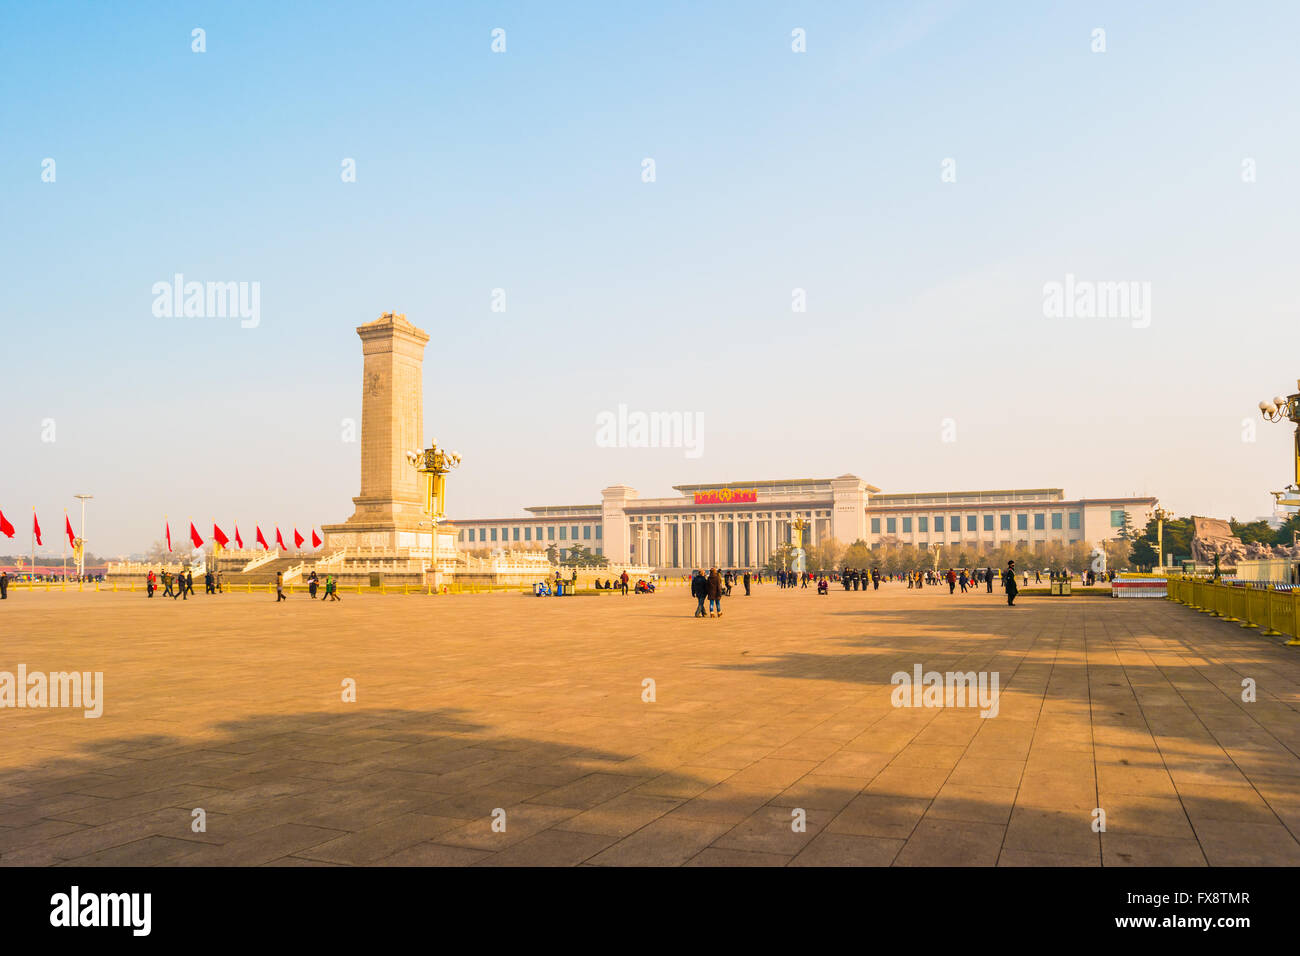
{"points": [[1160, 515], [1285, 409], [432, 464], [81, 551]]}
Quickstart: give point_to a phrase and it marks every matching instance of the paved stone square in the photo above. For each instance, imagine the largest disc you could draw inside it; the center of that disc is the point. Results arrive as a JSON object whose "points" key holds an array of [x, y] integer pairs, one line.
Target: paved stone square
{"points": [[472, 704]]}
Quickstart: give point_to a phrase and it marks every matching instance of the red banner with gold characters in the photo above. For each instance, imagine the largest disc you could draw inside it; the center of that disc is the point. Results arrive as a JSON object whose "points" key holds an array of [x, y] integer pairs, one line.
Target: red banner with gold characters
{"points": [[726, 496]]}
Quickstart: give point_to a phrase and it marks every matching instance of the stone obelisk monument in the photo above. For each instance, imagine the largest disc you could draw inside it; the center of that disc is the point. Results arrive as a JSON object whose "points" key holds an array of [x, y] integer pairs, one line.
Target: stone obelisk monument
{"points": [[389, 509]]}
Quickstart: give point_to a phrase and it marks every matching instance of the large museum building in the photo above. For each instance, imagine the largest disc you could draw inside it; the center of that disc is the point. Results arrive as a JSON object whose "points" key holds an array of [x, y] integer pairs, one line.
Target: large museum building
{"points": [[739, 524]]}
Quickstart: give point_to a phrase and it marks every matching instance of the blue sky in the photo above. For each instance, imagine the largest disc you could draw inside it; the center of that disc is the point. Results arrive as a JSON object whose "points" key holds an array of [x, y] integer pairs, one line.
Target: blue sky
{"points": [[522, 171]]}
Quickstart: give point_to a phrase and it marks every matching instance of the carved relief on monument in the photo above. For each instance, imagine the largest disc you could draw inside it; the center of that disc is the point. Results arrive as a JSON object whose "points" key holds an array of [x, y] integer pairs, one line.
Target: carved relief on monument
{"points": [[1213, 537]]}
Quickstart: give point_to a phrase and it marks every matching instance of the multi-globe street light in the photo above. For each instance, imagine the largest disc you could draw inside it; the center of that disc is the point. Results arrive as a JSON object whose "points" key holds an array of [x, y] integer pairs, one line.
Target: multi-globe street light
{"points": [[1285, 408]]}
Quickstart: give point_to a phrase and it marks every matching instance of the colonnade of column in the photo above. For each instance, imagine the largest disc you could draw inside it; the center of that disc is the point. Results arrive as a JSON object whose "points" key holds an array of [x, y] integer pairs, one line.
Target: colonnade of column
{"points": [[739, 540]]}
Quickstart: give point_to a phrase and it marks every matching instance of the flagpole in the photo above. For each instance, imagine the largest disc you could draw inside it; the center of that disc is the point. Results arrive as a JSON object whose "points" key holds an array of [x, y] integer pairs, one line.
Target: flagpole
{"points": [[33, 544], [65, 548]]}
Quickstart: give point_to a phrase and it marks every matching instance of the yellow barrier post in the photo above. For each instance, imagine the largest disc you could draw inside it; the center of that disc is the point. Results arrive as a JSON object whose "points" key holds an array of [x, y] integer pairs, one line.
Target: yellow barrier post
{"points": [[1251, 609], [1295, 618], [1271, 630]]}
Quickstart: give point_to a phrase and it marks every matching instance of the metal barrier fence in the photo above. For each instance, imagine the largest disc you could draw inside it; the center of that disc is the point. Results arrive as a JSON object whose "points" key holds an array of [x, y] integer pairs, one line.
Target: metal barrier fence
{"points": [[1275, 611]]}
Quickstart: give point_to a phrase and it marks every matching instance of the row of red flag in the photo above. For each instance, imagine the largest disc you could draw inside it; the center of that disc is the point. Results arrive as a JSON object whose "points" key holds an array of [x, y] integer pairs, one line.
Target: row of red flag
{"points": [[7, 529], [218, 535]]}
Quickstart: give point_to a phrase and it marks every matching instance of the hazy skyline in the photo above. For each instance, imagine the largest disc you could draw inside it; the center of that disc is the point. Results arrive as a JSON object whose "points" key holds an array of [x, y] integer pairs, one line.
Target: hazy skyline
{"points": [[1167, 161]]}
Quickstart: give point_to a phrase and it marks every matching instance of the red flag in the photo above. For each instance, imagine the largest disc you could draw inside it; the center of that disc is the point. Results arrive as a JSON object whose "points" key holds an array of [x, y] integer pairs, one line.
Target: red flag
{"points": [[298, 539], [67, 529], [36, 527], [194, 536], [315, 539], [169, 535], [239, 542], [219, 536], [279, 540], [5, 527], [261, 539]]}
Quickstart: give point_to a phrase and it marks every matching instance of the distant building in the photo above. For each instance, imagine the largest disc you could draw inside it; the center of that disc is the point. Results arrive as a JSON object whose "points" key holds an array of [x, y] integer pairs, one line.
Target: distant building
{"points": [[741, 523]]}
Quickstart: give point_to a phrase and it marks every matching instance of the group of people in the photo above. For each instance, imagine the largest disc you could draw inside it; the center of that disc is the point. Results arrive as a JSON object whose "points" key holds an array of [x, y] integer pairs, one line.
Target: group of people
{"points": [[713, 587], [313, 585], [179, 585], [610, 584], [854, 579]]}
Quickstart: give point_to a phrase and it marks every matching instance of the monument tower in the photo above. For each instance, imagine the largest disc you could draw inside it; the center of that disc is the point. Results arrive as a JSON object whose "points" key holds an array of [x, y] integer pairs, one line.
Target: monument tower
{"points": [[390, 507]]}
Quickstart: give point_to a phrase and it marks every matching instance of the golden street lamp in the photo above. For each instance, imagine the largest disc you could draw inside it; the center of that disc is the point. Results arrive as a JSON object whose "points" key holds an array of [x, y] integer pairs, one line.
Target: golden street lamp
{"points": [[1285, 409], [432, 465]]}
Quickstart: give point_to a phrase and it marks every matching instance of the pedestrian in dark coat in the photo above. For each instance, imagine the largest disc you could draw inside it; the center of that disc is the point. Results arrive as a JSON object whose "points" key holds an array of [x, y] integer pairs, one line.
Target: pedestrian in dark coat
{"points": [[715, 593], [1009, 583]]}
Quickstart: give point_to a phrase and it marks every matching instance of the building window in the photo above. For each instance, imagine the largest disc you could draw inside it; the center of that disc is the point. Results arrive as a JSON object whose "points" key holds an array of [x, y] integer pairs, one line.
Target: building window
{"points": [[1056, 521], [550, 532], [575, 532], [494, 534], [564, 533], [505, 534], [988, 522], [875, 526], [970, 523], [891, 525], [938, 522], [586, 532], [1022, 522], [598, 527], [1117, 519], [1040, 522], [907, 526], [528, 533], [1074, 521], [482, 534], [923, 524], [1004, 522]]}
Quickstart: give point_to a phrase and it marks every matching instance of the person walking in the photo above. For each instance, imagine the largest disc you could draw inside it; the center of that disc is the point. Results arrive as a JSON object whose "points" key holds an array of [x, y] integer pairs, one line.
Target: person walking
{"points": [[279, 587], [746, 580], [167, 584], [623, 581], [715, 593], [988, 579], [312, 582], [331, 589], [4, 585], [209, 583], [1009, 583], [150, 584], [189, 583], [952, 581], [699, 591]]}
